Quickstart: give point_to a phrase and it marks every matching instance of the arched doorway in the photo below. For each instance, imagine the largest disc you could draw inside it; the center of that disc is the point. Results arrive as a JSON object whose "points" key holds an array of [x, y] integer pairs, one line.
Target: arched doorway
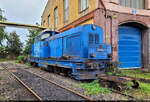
{"points": [[130, 45]]}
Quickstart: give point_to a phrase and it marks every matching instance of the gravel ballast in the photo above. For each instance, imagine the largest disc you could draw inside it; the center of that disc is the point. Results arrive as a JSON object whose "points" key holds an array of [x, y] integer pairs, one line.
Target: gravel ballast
{"points": [[69, 83], [10, 89]]}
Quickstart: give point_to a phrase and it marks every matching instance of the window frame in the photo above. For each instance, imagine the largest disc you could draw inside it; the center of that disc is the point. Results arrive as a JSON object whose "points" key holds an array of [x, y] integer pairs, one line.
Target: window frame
{"points": [[83, 7], [66, 11], [137, 4], [56, 17], [49, 20]]}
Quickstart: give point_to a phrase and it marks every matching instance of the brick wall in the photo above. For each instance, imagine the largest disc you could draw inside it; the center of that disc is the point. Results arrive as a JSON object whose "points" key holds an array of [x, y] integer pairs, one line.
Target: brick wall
{"points": [[110, 24]]}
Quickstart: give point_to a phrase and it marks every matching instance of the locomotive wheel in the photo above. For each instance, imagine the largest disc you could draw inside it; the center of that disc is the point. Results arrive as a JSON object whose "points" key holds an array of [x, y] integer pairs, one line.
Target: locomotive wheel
{"points": [[69, 72], [34, 64], [51, 68], [65, 71], [118, 88], [31, 63], [56, 70]]}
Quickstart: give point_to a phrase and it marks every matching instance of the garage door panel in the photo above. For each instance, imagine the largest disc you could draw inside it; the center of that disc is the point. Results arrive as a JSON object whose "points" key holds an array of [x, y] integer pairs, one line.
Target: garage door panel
{"points": [[129, 42], [130, 65], [128, 60], [124, 54], [129, 47]]}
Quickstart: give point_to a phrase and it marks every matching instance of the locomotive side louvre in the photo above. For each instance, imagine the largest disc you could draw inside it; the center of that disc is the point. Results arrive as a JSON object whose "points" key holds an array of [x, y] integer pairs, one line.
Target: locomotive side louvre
{"points": [[71, 51]]}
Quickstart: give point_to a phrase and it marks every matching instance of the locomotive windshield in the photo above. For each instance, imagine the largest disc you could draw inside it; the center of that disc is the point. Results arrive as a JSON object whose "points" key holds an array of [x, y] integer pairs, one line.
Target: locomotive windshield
{"points": [[45, 35], [93, 38], [42, 36]]}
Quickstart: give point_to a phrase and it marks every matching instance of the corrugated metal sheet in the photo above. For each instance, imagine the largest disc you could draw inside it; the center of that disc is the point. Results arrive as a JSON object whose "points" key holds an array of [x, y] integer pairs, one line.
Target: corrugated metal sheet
{"points": [[129, 46]]}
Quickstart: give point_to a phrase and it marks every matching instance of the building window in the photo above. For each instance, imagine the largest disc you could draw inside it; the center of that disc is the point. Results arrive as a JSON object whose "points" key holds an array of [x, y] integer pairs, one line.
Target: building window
{"points": [[56, 17], [139, 4], [43, 23], [66, 10], [49, 20], [84, 4]]}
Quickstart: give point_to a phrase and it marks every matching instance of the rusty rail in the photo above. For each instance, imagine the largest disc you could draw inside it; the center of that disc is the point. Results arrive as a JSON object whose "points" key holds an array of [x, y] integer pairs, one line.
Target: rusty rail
{"points": [[37, 96], [29, 89], [70, 90]]}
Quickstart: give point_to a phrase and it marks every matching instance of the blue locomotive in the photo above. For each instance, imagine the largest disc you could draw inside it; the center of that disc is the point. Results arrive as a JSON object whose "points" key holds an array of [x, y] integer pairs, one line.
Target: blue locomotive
{"points": [[79, 52]]}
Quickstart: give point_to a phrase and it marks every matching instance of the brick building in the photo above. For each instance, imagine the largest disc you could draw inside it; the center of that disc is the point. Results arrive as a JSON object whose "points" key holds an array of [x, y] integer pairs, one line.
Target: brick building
{"points": [[125, 23]]}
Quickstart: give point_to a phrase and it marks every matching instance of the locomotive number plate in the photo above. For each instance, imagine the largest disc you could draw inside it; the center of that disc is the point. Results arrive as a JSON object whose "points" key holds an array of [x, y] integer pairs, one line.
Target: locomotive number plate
{"points": [[100, 50]]}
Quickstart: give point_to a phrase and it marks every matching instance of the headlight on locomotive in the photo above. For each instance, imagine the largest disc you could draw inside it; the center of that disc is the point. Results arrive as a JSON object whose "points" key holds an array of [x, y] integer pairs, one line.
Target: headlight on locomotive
{"points": [[109, 55], [92, 55], [87, 65]]}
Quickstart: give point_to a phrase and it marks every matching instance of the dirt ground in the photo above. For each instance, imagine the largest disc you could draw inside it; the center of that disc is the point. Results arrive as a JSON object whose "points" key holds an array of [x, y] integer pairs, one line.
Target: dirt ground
{"points": [[10, 89]]}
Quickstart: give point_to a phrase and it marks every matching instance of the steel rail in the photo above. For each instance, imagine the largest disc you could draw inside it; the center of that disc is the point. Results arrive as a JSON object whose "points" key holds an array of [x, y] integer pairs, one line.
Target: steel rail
{"points": [[70, 90], [79, 93], [29, 89], [123, 94], [37, 96]]}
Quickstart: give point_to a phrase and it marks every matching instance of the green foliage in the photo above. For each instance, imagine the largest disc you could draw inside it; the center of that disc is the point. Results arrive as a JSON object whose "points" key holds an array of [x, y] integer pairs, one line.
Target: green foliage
{"points": [[141, 93], [3, 51], [11, 89], [109, 73], [30, 41], [93, 88], [2, 29], [27, 64], [20, 58], [14, 44], [113, 68], [134, 73], [144, 88], [3, 59]]}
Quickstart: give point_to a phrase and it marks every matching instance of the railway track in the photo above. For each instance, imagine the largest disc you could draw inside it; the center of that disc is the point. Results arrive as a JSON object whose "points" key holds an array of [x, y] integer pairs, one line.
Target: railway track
{"points": [[50, 81], [49, 90]]}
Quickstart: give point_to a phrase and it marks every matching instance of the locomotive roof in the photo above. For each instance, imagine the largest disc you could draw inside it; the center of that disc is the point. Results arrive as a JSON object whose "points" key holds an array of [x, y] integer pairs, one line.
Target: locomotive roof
{"points": [[47, 30], [71, 31]]}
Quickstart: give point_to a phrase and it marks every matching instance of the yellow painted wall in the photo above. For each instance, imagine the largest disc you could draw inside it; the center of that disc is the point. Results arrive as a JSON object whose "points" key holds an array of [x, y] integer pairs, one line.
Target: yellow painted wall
{"points": [[90, 21], [74, 13]]}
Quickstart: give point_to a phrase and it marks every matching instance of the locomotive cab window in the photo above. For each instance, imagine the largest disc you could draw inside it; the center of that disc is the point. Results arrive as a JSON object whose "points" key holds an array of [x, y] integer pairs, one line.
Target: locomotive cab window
{"points": [[44, 36], [96, 38], [93, 38]]}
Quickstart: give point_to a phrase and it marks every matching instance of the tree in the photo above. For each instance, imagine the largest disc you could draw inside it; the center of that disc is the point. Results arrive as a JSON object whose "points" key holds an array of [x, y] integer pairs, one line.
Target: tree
{"points": [[3, 52], [2, 29], [14, 44], [30, 41]]}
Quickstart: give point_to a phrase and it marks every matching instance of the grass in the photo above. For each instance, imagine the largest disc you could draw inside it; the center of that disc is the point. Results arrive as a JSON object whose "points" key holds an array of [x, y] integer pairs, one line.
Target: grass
{"points": [[144, 88], [3, 59], [93, 88], [134, 73], [11, 89], [3, 99], [142, 93], [27, 64]]}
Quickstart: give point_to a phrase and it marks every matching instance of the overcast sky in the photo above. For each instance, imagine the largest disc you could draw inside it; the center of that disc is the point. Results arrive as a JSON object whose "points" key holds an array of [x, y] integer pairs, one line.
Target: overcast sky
{"points": [[22, 11]]}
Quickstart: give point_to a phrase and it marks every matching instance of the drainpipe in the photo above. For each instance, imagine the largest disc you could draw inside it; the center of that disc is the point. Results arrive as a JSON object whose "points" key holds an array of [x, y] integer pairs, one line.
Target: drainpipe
{"points": [[107, 16]]}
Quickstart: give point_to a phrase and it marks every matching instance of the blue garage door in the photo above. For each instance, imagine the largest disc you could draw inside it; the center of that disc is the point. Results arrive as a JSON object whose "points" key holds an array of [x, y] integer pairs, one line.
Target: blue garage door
{"points": [[129, 47]]}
